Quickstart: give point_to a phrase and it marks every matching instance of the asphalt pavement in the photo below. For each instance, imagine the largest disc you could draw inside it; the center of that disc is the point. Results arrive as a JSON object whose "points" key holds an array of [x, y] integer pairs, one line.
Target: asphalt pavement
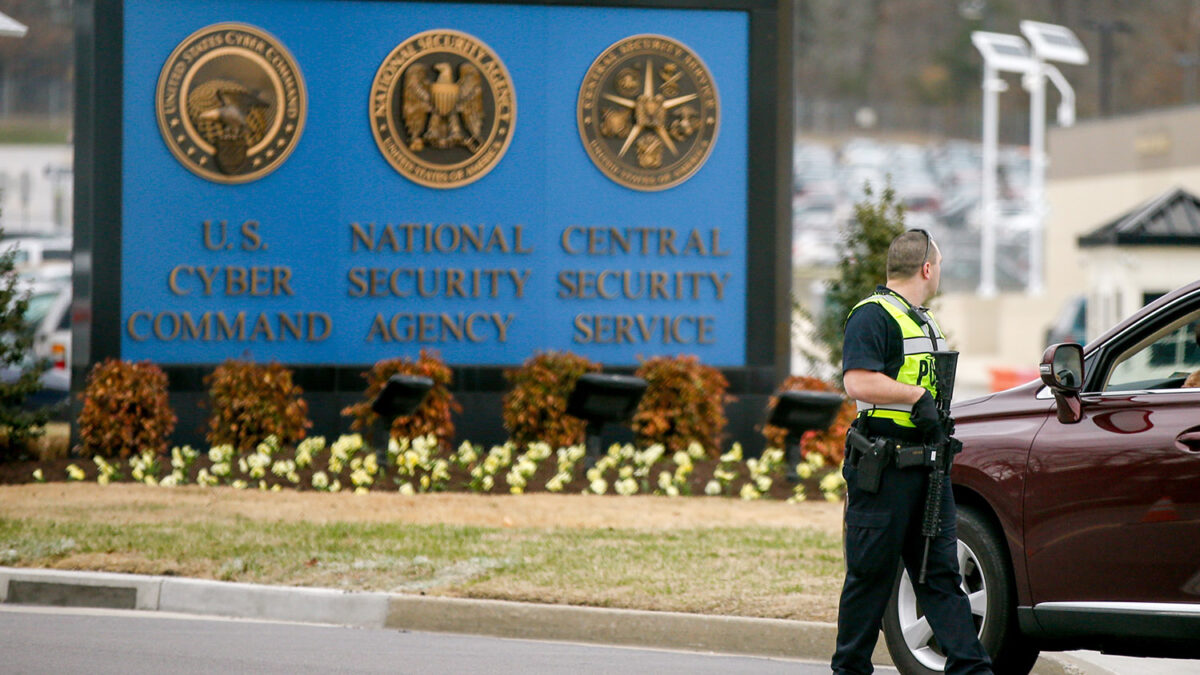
{"points": [[767, 638]]}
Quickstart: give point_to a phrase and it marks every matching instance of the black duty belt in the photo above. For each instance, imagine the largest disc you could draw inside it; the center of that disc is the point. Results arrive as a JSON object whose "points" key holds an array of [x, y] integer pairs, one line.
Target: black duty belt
{"points": [[888, 450]]}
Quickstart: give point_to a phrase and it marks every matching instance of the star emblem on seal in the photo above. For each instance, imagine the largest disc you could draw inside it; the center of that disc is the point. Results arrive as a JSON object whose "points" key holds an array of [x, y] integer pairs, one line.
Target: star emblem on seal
{"points": [[648, 112]]}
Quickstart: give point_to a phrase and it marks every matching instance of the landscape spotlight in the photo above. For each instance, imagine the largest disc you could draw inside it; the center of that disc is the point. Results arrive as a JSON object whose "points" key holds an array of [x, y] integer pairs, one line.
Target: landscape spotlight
{"points": [[599, 399], [801, 411], [401, 396]]}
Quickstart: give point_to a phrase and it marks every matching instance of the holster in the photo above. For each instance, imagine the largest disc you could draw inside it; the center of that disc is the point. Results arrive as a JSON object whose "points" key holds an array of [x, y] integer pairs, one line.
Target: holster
{"points": [[869, 457]]}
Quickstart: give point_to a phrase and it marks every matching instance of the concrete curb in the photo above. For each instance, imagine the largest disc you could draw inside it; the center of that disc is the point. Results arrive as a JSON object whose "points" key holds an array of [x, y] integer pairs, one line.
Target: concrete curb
{"points": [[805, 640]]}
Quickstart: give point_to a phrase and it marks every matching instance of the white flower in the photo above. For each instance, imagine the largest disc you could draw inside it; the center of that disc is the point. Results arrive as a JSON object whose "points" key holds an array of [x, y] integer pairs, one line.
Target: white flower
{"points": [[748, 492], [539, 451], [557, 483], [798, 495], [734, 454], [37, 476], [625, 472], [220, 453], [695, 450], [150, 480], [599, 486], [335, 486], [406, 488], [73, 473], [320, 480], [712, 489], [441, 470], [466, 454], [170, 481], [488, 483], [763, 483], [206, 479], [664, 480], [651, 455], [626, 487], [240, 484], [672, 491]]}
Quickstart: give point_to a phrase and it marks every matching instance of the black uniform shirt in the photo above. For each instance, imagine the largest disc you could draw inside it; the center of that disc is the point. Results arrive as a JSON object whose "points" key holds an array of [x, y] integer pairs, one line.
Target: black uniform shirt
{"points": [[873, 342]]}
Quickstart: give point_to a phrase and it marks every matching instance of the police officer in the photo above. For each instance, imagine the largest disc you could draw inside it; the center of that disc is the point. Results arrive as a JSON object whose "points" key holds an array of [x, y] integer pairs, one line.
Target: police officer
{"points": [[886, 364]]}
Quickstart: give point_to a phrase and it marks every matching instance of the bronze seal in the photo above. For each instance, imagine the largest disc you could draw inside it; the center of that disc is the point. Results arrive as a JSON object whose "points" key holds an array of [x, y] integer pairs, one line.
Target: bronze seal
{"points": [[231, 103], [442, 109], [648, 112]]}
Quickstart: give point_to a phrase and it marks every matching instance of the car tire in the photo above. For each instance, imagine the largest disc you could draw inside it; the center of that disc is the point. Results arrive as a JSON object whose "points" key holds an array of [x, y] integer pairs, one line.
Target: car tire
{"points": [[988, 582]]}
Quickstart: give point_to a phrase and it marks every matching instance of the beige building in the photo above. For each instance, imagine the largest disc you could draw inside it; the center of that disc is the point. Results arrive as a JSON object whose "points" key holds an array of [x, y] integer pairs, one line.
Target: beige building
{"points": [[1098, 171]]}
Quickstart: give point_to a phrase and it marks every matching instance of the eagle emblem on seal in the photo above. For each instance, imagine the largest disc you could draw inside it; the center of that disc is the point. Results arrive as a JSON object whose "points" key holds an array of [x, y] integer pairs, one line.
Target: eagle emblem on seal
{"points": [[443, 113]]}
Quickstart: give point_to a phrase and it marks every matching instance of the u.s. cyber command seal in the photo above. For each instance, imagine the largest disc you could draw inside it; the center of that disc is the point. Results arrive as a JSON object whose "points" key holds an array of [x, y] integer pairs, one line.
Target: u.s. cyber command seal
{"points": [[442, 108], [648, 112], [231, 103]]}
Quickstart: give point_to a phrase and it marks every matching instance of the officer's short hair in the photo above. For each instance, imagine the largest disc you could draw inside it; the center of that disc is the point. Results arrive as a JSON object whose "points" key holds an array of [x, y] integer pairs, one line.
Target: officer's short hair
{"points": [[908, 253]]}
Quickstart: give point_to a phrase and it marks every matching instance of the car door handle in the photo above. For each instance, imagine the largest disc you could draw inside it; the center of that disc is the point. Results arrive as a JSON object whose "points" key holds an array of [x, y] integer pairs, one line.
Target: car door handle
{"points": [[1188, 441]]}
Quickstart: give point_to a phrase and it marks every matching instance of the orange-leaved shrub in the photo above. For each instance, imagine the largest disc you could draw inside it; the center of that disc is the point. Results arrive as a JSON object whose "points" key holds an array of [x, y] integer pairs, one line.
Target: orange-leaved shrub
{"points": [[433, 417], [125, 410], [684, 403], [535, 408], [829, 443], [251, 401]]}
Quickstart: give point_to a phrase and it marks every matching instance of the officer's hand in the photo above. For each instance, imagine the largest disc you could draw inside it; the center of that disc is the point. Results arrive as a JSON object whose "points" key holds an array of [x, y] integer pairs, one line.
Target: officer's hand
{"points": [[925, 418]]}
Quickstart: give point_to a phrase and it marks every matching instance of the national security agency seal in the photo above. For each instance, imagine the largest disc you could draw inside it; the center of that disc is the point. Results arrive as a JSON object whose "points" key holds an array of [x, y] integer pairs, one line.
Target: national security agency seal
{"points": [[648, 112], [442, 109], [231, 103]]}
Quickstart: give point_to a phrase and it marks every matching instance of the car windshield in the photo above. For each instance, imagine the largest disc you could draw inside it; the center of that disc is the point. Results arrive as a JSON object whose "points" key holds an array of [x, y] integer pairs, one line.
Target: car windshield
{"points": [[39, 305]]}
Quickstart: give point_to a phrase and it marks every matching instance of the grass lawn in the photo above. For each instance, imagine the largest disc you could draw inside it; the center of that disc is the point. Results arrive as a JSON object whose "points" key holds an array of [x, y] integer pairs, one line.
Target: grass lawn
{"points": [[689, 554]]}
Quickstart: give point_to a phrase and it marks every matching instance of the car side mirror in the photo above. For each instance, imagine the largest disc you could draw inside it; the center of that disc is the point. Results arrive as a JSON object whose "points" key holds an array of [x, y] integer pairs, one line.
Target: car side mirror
{"points": [[1062, 371]]}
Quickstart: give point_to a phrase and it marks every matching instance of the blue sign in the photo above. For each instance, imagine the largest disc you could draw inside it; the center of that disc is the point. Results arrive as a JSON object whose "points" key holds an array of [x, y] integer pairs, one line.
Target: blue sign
{"points": [[321, 252]]}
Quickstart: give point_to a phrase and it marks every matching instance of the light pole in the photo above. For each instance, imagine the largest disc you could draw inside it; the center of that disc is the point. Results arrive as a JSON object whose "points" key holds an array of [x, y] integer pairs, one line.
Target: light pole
{"points": [[1050, 43], [1001, 53]]}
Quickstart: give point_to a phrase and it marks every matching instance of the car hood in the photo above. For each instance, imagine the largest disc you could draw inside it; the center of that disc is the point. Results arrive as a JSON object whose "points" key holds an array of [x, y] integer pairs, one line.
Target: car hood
{"points": [[1020, 400]]}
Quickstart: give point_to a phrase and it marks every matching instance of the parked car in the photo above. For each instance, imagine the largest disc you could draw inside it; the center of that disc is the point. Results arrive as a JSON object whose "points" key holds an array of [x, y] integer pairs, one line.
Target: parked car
{"points": [[34, 251], [1070, 325], [1079, 502]]}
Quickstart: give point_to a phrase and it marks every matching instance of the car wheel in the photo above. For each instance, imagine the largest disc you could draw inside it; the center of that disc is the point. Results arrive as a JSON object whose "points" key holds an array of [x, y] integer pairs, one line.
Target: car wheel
{"points": [[988, 583]]}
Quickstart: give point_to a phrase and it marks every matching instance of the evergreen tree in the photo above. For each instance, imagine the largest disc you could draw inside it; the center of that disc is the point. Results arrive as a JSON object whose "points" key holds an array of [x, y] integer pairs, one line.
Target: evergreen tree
{"points": [[863, 265], [17, 424]]}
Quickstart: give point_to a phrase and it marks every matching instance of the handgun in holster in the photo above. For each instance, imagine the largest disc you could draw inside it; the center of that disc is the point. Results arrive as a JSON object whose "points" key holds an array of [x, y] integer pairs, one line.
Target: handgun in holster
{"points": [[872, 457]]}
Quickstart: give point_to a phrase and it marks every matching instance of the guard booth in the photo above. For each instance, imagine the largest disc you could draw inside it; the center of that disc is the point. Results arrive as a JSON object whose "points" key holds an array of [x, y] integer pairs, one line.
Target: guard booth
{"points": [[326, 184]]}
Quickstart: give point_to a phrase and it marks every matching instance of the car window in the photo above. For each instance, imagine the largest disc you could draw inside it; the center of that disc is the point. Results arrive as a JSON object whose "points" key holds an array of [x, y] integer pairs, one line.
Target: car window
{"points": [[39, 305], [1162, 360]]}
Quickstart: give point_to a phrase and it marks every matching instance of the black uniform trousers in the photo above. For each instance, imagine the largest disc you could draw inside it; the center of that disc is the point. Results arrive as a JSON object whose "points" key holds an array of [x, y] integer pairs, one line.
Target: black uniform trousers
{"points": [[882, 529]]}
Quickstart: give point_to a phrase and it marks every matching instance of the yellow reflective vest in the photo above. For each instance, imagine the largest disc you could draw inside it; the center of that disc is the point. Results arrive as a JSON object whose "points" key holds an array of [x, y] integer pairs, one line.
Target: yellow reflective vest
{"points": [[919, 346]]}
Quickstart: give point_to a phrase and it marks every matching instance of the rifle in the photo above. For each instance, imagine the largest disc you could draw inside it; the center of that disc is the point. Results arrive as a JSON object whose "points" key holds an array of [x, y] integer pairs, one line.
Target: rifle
{"points": [[940, 458]]}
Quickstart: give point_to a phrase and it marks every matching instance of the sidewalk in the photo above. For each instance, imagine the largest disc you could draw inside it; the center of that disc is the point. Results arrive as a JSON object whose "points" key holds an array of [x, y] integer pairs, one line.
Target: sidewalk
{"points": [[665, 630]]}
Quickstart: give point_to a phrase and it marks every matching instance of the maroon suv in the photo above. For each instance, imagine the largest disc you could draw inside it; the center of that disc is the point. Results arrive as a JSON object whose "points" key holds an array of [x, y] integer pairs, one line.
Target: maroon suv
{"points": [[1079, 502]]}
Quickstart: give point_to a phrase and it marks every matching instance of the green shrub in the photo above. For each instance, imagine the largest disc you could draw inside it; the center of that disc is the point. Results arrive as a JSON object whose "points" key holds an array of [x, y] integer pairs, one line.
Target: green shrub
{"points": [[433, 417], [684, 403], [535, 408], [829, 443], [252, 401], [125, 410]]}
